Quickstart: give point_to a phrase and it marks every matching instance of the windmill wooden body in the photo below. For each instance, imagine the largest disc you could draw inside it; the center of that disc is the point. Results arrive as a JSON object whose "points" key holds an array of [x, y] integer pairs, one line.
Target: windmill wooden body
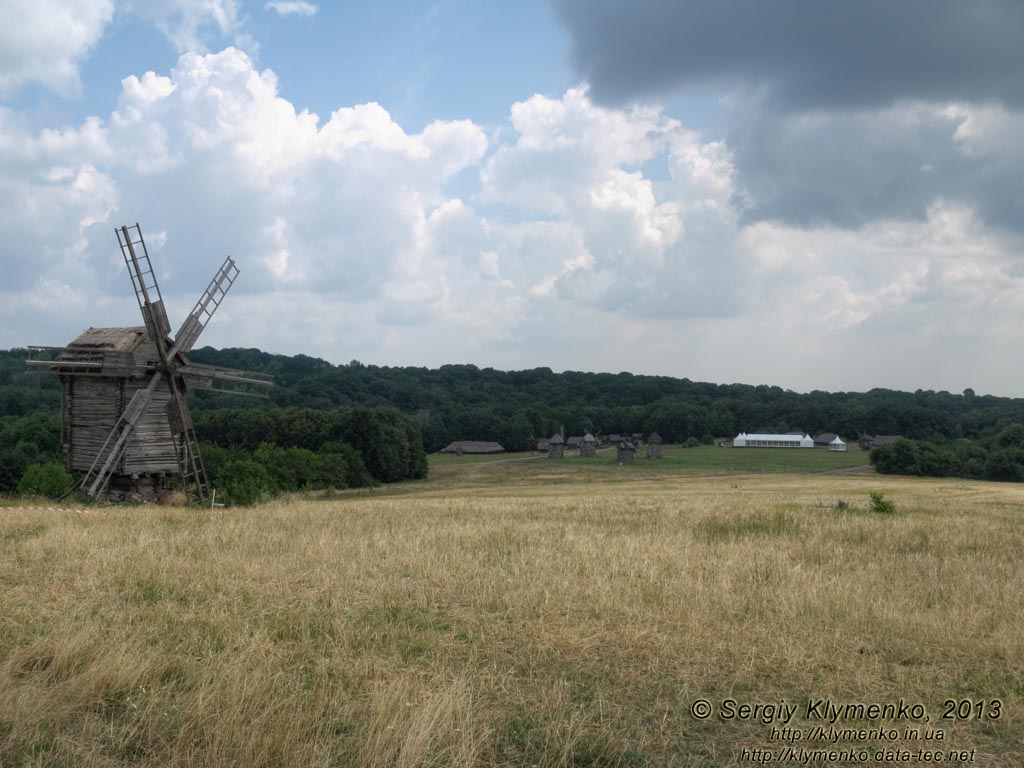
{"points": [[125, 421], [556, 445]]}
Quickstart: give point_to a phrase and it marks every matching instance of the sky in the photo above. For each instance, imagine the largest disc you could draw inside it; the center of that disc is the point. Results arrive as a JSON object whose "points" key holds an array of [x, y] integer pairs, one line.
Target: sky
{"points": [[803, 194]]}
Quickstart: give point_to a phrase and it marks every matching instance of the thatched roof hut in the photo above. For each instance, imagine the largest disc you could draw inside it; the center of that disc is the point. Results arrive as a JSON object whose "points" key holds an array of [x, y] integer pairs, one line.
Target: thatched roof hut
{"points": [[556, 445], [473, 446], [588, 446]]}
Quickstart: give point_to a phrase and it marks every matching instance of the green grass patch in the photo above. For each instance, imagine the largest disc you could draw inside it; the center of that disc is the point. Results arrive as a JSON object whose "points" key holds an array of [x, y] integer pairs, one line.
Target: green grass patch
{"points": [[444, 459], [777, 523], [776, 460], [677, 458], [502, 469]]}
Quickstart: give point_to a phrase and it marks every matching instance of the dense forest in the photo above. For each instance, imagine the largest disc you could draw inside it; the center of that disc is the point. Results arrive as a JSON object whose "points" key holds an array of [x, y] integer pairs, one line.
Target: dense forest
{"points": [[456, 402], [313, 401]]}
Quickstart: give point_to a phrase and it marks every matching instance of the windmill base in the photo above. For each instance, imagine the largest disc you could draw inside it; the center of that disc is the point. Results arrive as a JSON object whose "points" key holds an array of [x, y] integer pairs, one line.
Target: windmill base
{"points": [[135, 489]]}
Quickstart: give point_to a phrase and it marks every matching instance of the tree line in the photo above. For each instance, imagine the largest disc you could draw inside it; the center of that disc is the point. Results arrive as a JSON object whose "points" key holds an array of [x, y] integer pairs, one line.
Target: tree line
{"points": [[249, 455], [464, 402], [514, 408], [998, 456]]}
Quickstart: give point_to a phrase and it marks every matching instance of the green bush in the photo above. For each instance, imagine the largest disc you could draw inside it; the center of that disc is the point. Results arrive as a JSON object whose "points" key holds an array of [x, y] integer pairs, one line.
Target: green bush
{"points": [[939, 462], [244, 482], [50, 480], [341, 457], [900, 458], [13, 463], [881, 504], [693, 442], [1006, 464]]}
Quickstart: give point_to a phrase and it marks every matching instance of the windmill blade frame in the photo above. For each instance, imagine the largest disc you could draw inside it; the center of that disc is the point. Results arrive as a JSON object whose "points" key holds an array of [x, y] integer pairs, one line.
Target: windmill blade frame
{"points": [[201, 313], [201, 376], [144, 282], [193, 470]]}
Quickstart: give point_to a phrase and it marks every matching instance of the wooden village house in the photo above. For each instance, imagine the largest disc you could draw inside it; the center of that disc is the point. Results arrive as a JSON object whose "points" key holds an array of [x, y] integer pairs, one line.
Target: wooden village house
{"points": [[625, 451]]}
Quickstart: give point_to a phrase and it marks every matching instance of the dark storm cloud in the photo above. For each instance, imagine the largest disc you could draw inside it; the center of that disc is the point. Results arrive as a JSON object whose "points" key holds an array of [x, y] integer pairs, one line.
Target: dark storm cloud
{"points": [[839, 109], [806, 53], [849, 168]]}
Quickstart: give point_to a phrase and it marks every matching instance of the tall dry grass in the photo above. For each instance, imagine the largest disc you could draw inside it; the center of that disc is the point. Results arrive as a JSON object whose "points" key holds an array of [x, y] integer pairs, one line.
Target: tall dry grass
{"points": [[466, 621]]}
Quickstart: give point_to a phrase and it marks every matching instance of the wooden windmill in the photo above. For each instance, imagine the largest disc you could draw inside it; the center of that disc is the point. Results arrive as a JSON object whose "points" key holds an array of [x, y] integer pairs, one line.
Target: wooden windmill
{"points": [[125, 422]]}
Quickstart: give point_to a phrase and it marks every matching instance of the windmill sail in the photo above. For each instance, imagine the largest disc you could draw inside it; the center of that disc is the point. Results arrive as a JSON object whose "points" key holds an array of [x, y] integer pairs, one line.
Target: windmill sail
{"points": [[193, 471], [147, 291], [206, 306]]}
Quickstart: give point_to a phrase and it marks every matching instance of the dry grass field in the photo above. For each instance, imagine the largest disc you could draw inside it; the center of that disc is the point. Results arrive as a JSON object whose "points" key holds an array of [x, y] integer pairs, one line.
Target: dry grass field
{"points": [[510, 614]]}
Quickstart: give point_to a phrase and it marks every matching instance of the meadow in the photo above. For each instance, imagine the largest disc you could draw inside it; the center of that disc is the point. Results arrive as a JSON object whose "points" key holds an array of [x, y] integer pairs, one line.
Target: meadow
{"points": [[514, 613], [676, 458]]}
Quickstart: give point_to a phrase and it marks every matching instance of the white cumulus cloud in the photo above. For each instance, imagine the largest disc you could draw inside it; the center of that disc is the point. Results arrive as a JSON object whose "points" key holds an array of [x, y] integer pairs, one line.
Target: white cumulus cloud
{"points": [[44, 41], [188, 24], [596, 237], [292, 8]]}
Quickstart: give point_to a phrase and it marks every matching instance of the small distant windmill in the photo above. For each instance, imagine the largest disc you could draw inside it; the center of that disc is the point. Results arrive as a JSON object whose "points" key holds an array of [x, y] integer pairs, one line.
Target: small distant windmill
{"points": [[125, 421]]}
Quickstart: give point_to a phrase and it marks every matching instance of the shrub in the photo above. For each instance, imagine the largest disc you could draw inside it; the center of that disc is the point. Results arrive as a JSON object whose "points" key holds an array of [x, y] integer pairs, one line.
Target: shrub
{"points": [[356, 475], [939, 462], [244, 482], [1006, 464], [50, 480], [13, 463], [331, 471], [693, 442], [900, 458], [881, 504]]}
